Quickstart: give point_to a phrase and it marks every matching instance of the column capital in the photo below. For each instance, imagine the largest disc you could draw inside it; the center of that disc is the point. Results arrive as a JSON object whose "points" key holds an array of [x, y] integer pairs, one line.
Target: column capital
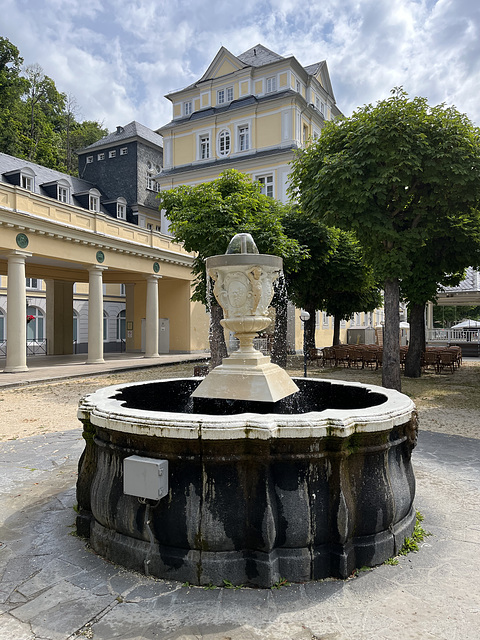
{"points": [[16, 253], [152, 277], [96, 268]]}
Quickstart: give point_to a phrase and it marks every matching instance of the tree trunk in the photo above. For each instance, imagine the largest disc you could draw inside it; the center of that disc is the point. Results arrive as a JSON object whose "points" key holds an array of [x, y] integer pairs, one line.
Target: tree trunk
{"points": [[391, 341], [218, 348], [413, 362], [336, 330], [279, 349], [310, 329]]}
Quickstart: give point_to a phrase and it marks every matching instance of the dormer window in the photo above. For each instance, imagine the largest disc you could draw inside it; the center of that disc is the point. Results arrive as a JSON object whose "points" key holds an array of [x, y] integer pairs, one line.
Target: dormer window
{"points": [[121, 209], [224, 95], [187, 108], [24, 177], [94, 200], [271, 84]]}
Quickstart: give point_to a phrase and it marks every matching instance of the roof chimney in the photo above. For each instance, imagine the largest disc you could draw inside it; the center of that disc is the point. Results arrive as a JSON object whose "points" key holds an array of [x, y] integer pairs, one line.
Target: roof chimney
{"points": [[120, 129]]}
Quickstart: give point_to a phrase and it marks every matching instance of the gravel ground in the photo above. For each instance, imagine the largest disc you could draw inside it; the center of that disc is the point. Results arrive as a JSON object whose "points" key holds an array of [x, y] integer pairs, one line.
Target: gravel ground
{"points": [[447, 403]]}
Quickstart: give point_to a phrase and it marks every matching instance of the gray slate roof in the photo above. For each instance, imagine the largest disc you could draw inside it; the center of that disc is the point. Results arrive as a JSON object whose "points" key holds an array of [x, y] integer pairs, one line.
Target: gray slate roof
{"points": [[43, 175], [131, 130], [258, 56], [471, 282]]}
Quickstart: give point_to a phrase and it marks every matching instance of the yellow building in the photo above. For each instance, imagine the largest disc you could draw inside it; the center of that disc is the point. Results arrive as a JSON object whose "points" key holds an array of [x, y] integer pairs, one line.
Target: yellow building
{"points": [[72, 272], [250, 112]]}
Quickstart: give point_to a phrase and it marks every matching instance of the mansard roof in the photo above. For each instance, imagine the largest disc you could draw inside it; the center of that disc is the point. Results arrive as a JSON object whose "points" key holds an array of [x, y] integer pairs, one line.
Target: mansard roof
{"points": [[43, 175], [132, 130], [258, 56]]}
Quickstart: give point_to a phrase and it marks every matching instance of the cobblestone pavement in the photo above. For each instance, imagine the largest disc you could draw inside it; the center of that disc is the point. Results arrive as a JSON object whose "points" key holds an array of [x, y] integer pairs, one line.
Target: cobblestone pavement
{"points": [[53, 588]]}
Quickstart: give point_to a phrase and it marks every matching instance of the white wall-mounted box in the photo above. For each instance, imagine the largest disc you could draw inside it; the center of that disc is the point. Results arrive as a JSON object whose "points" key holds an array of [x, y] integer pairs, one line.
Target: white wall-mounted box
{"points": [[145, 477]]}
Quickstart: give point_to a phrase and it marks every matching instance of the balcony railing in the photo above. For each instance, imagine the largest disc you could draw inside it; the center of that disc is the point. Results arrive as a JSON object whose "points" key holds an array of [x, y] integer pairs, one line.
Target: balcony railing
{"points": [[453, 335]]}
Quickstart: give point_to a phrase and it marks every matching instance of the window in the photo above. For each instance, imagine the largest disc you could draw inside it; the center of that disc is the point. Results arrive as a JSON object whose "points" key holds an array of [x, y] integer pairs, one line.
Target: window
{"points": [[94, 203], [229, 94], [305, 134], [101, 156], [2, 326], [105, 326], [297, 84], [35, 326], [266, 185], [204, 147], [121, 319], [243, 141], [158, 228], [150, 226], [123, 151], [75, 326], [27, 182], [221, 96], [224, 143], [122, 290], [187, 108], [271, 84], [63, 194], [325, 320], [112, 154], [121, 211], [33, 283], [89, 159], [152, 185]]}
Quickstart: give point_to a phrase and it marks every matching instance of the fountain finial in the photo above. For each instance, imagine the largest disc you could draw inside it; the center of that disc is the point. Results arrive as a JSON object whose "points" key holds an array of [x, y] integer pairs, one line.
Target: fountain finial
{"points": [[241, 243]]}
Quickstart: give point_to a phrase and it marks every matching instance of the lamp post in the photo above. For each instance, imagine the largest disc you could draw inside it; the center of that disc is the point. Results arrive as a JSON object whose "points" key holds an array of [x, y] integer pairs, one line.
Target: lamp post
{"points": [[304, 317]]}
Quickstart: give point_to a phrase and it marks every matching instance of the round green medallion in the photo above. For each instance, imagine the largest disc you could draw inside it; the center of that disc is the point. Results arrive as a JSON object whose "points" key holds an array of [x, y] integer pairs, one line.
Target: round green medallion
{"points": [[22, 240], [100, 256], [156, 267]]}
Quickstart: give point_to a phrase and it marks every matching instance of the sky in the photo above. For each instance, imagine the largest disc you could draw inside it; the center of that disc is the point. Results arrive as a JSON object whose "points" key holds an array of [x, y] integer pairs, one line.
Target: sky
{"points": [[118, 58]]}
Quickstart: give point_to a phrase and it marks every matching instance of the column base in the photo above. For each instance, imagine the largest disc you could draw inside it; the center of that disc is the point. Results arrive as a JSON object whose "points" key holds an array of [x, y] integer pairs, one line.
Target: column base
{"points": [[15, 369], [95, 361]]}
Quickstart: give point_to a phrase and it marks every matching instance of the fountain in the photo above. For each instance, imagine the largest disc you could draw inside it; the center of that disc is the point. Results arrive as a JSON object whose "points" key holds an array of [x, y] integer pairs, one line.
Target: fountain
{"points": [[209, 480]]}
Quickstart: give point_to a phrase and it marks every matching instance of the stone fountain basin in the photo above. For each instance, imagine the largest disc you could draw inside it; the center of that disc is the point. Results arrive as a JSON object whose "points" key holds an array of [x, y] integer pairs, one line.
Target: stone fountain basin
{"points": [[253, 497]]}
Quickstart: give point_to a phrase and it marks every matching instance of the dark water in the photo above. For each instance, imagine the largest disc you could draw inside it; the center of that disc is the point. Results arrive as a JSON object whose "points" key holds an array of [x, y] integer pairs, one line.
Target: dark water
{"points": [[313, 395]]}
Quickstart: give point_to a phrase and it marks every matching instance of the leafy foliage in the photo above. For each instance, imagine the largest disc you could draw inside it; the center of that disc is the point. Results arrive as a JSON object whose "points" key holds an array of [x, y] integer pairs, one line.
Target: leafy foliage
{"points": [[402, 175], [37, 122], [206, 217]]}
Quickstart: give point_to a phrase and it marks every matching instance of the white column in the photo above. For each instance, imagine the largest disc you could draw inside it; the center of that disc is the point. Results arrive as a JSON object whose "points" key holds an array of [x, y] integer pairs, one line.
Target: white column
{"points": [[16, 313], [151, 318], [429, 315], [95, 315]]}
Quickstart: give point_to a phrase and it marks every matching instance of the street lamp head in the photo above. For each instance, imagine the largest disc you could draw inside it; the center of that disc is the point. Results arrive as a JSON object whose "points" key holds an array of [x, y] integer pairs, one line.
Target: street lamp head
{"points": [[304, 316]]}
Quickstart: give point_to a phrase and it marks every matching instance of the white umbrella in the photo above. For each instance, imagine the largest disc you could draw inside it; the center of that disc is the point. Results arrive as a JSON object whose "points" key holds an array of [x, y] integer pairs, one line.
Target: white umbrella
{"points": [[467, 324]]}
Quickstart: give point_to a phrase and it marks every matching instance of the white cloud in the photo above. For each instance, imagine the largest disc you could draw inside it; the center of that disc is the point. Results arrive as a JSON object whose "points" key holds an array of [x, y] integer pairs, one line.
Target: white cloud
{"points": [[119, 57]]}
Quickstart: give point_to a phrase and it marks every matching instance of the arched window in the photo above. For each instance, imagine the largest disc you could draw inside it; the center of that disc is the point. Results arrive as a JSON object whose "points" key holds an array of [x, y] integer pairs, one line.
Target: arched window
{"points": [[121, 325], [2, 326], [105, 326], [35, 324], [75, 326], [224, 143]]}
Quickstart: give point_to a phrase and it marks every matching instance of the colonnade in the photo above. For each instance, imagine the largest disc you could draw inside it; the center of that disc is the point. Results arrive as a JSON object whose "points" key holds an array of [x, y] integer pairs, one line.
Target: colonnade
{"points": [[16, 360]]}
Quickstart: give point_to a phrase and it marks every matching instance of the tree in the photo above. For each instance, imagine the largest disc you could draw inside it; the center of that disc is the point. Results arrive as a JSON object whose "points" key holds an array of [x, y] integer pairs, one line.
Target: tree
{"points": [[206, 217], [12, 87], [441, 261], [393, 173], [334, 278]]}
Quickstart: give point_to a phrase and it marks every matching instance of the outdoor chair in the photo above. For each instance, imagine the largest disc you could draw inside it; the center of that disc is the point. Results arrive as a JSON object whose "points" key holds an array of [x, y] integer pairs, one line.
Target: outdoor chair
{"points": [[342, 355], [430, 359], [446, 359], [329, 356], [316, 355], [369, 359]]}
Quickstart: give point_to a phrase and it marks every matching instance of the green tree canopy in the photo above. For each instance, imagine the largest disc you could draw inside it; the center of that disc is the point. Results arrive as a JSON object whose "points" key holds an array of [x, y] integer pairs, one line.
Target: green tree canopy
{"points": [[394, 173], [334, 278], [205, 217]]}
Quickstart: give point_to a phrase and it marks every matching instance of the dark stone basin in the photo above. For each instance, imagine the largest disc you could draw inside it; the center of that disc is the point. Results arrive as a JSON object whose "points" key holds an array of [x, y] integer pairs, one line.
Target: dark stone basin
{"points": [[318, 487]]}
